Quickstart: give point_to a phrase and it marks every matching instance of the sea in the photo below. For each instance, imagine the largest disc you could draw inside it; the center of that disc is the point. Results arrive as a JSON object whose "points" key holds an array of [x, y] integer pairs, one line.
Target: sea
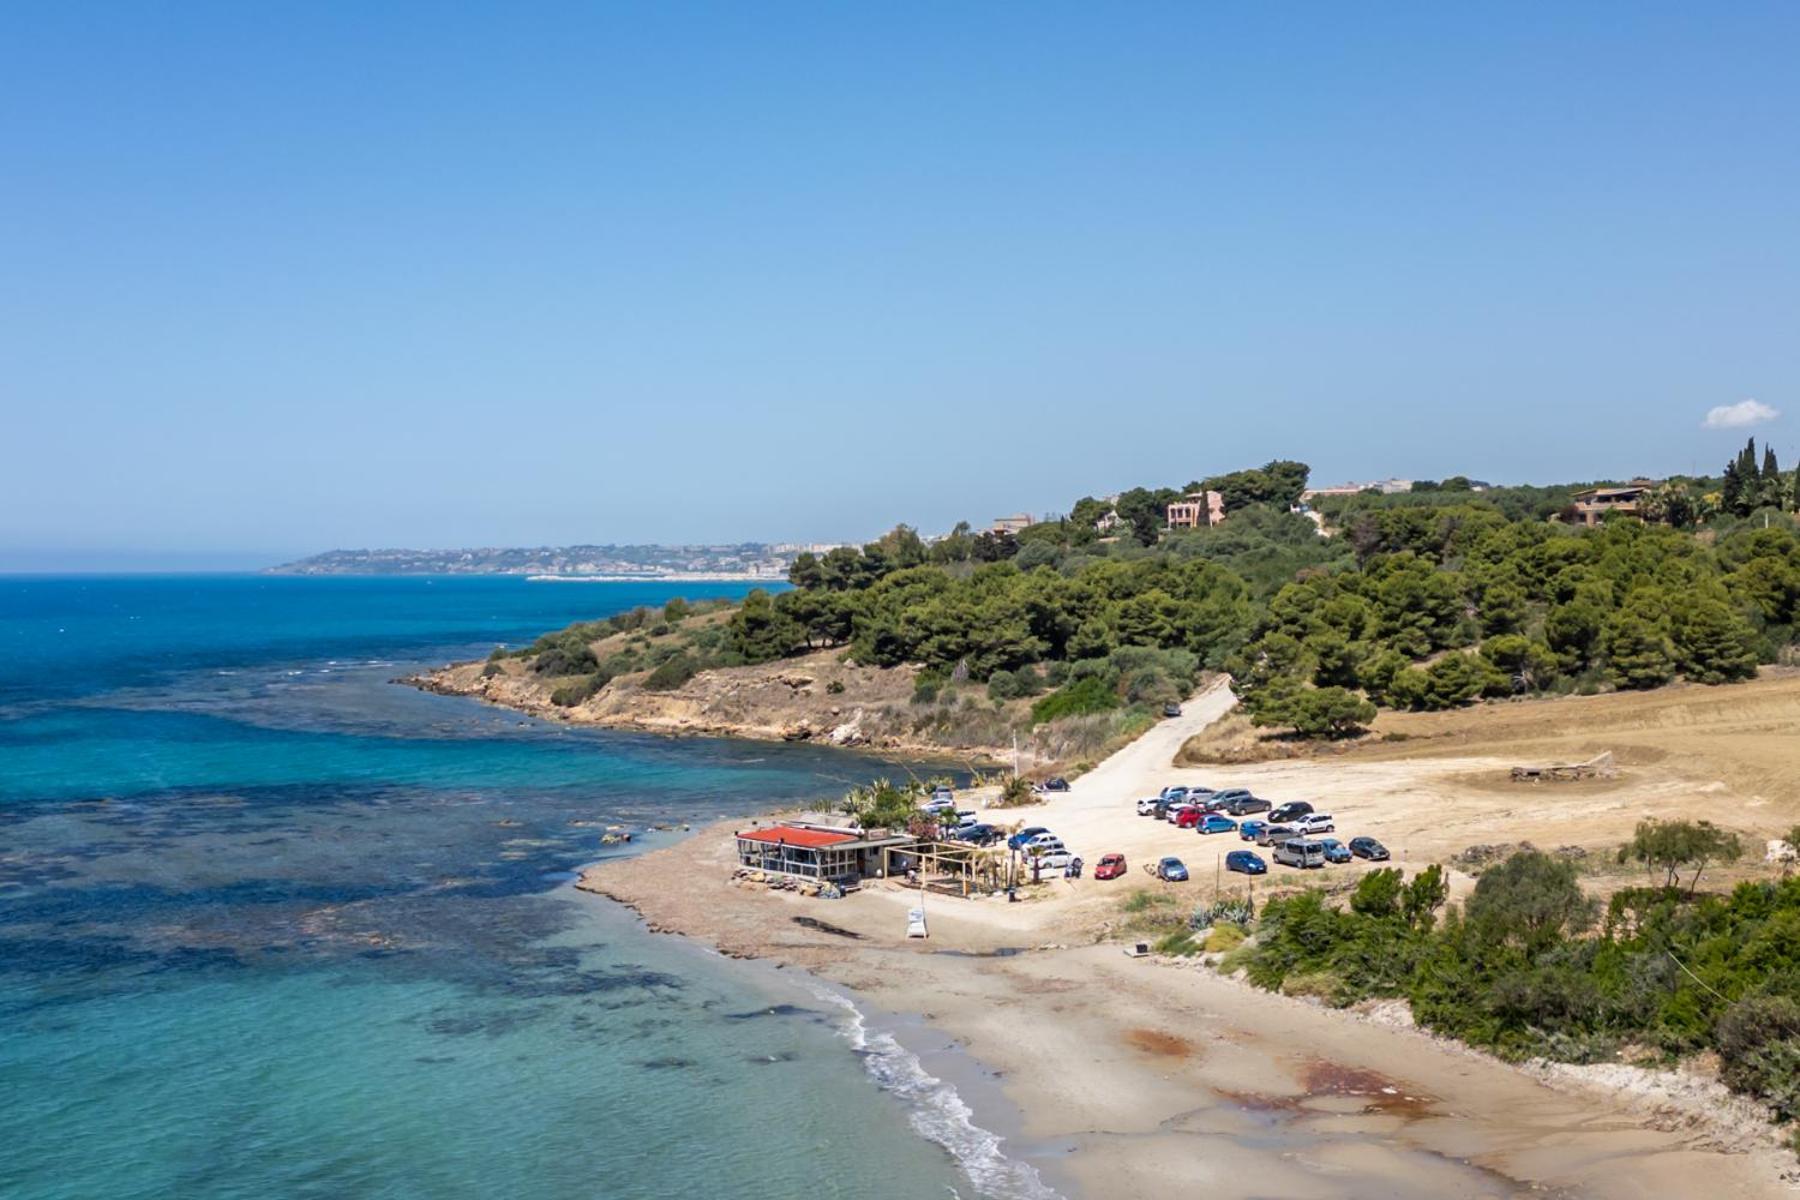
{"points": [[273, 925]]}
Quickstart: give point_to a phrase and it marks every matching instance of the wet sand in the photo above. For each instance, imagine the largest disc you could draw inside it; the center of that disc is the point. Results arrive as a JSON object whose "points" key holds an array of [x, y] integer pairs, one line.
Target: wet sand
{"points": [[1143, 1078]]}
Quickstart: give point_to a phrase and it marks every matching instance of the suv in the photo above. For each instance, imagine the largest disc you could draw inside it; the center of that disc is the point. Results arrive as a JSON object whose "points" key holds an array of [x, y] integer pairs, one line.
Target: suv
{"points": [[1171, 710], [1293, 810], [1298, 852], [1147, 806], [1314, 823]]}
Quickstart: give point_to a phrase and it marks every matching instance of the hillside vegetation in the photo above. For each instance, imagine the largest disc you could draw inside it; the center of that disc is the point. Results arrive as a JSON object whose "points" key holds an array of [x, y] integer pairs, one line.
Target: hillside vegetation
{"points": [[1421, 601]]}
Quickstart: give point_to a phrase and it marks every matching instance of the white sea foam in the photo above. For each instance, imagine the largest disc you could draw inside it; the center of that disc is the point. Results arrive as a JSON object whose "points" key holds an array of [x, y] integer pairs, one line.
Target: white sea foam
{"points": [[936, 1111]]}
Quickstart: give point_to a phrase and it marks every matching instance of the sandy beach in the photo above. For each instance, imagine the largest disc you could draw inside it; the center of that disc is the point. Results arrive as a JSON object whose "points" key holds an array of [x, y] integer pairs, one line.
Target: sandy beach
{"points": [[1142, 1075]]}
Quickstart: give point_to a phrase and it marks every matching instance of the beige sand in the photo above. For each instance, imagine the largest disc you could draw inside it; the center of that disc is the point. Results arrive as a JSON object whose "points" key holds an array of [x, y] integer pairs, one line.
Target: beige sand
{"points": [[1158, 1077]]}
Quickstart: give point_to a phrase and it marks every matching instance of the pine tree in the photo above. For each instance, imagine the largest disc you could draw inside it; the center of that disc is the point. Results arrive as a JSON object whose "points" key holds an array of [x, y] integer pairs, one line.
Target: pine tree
{"points": [[1713, 642]]}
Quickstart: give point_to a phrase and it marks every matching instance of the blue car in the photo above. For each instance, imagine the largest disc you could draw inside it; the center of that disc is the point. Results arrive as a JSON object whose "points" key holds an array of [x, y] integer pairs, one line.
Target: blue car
{"points": [[1172, 870], [1250, 830], [1214, 823], [1335, 851], [1017, 841], [1246, 862]]}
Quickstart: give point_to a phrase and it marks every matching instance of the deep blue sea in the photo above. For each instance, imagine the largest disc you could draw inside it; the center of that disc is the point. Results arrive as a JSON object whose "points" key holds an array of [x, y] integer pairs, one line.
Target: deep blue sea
{"points": [[273, 926]]}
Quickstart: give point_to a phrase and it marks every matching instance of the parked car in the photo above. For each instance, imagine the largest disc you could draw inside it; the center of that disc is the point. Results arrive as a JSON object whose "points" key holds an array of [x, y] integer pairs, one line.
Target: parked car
{"points": [[1293, 810], [1044, 841], [1024, 835], [1300, 852], [1251, 830], [1246, 862], [1315, 823], [1335, 851], [1369, 848], [1147, 806], [1238, 802], [978, 832], [1171, 710], [1174, 792], [1111, 866], [1171, 870], [1056, 783], [1273, 834], [1187, 816], [1213, 804], [961, 817], [1053, 860], [1214, 823], [943, 792]]}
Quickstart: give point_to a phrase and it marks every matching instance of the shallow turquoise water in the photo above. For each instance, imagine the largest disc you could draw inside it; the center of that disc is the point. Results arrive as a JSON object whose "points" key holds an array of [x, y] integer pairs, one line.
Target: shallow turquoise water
{"points": [[272, 926]]}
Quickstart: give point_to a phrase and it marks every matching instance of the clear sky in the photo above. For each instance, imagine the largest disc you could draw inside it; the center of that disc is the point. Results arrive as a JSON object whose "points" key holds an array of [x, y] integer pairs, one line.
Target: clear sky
{"points": [[279, 277]]}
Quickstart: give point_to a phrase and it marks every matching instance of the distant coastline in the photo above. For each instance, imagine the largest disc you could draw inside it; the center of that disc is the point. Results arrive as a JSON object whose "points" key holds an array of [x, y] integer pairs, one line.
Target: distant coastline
{"points": [[667, 577], [638, 563]]}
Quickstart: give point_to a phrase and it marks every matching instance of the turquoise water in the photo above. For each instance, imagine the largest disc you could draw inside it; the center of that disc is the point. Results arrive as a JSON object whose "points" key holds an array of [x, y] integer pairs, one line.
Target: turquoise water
{"points": [[273, 926]]}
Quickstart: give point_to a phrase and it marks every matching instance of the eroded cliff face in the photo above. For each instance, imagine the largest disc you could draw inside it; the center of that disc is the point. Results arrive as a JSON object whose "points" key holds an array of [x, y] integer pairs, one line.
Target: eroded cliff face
{"points": [[813, 698]]}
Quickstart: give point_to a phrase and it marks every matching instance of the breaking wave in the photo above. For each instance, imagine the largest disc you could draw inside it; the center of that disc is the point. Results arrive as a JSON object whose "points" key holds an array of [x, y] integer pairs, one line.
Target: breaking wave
{"points": [[935, 1110]]}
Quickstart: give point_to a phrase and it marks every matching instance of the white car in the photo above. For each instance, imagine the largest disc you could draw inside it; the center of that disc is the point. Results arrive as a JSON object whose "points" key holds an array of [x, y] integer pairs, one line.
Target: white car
{"points": [[1049, 841], [1054, 860], [1315, 823], [1147, 806], [936, 805]]}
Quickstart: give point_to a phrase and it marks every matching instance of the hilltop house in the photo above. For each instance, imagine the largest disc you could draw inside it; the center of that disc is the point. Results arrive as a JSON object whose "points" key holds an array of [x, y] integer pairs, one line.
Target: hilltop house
{"points": [[1594, 503], [1197, 510], [1016, 523]]}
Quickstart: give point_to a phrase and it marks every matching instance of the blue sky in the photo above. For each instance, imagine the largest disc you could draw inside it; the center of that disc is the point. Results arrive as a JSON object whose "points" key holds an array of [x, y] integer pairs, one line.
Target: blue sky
{"points": [[281, 277]]}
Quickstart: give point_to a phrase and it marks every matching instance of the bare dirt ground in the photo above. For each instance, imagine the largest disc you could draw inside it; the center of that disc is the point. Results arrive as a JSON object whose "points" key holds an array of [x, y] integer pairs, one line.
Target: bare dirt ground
{"points": [[1152, 1078], [1162, 1076], [1436, 783]]}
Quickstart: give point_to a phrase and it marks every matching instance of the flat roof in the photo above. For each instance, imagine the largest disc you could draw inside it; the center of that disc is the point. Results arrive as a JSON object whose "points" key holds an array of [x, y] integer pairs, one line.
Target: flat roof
{"points": [[796, 835]]}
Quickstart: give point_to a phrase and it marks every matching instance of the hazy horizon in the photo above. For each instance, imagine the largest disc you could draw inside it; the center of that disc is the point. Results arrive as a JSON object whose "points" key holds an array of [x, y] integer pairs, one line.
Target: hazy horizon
{"points": [[283, 282]]}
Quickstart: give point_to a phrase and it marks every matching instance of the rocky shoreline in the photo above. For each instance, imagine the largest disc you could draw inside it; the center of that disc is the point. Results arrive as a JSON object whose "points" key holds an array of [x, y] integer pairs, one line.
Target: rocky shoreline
{"points": [[814, 699]]}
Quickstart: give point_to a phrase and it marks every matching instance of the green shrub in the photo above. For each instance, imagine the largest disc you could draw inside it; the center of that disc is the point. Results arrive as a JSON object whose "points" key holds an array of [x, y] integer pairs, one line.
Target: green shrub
{"points": [[1089, 694], [1180, 942], [671, 674], [1759, 1051], [571, 694]]}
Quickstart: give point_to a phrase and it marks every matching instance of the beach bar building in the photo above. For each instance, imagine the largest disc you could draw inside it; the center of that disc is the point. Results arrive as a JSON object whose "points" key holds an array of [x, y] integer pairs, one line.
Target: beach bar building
{"points": [[816, 851]]}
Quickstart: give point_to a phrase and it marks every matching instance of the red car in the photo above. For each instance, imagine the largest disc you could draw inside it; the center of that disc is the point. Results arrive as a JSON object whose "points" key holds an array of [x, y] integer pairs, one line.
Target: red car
{"points": [[1112, 866], [1189, 817]]}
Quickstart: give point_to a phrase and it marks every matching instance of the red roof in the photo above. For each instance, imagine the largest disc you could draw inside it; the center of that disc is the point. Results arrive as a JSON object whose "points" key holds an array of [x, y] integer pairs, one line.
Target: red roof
{"points": [[795, 836]]}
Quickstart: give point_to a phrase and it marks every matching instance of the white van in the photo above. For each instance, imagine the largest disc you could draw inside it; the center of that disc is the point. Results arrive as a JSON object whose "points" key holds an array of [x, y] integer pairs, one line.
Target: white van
{"points": [[1315, 823], [1298, 852]]}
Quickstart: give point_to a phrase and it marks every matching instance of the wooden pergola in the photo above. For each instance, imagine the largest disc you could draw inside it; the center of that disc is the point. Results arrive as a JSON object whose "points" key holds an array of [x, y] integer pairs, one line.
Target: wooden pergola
{"points": [[953, 868]]}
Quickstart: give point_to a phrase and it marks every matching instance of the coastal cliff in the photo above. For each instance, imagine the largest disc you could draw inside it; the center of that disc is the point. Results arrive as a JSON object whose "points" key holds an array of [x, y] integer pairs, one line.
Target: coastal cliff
{"points": [[815, 698]]}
